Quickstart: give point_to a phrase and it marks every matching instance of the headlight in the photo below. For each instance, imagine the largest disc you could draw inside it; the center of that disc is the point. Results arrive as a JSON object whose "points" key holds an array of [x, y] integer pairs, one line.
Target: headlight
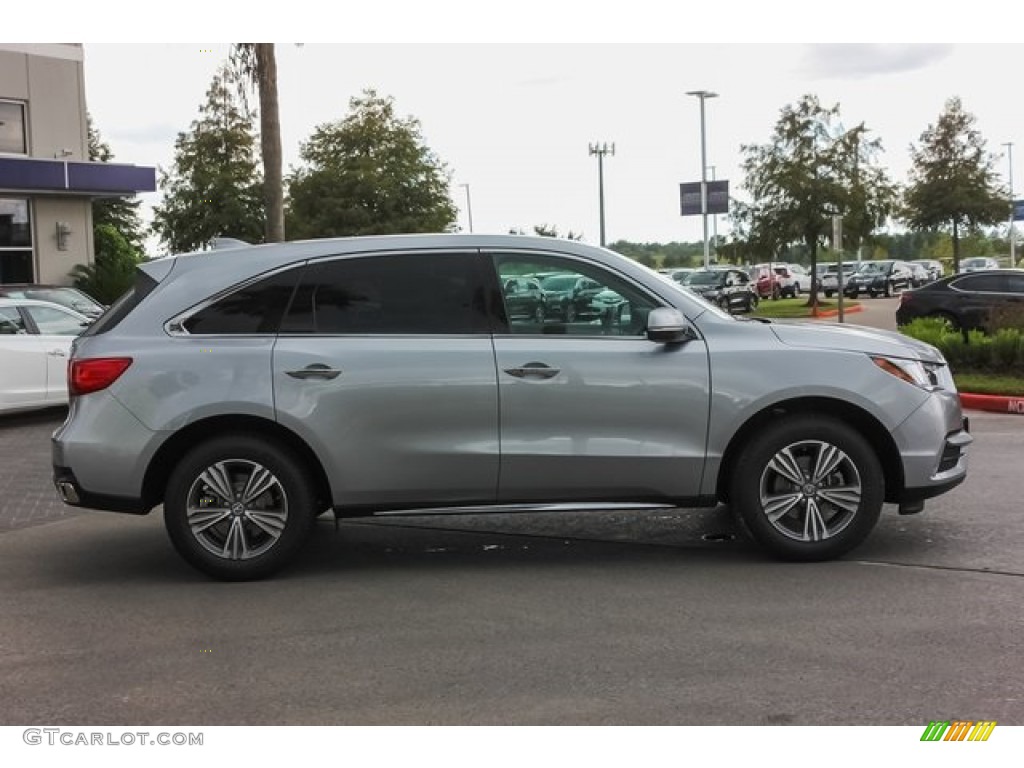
{"points": [[917, 372]]}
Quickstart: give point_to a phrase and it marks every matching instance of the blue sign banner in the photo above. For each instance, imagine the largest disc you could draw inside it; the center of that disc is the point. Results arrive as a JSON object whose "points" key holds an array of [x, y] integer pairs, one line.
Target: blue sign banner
{"points": [[718, 197], [1018, 210]]}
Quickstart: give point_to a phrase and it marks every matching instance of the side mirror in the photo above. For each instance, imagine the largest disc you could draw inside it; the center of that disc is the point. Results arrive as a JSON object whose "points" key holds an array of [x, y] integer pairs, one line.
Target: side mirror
{"points": [[668, 326]]}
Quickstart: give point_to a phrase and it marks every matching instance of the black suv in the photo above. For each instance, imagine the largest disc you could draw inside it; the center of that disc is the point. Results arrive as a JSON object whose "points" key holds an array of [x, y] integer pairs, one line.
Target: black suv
{"points": [[730, 289], [879, 278]]}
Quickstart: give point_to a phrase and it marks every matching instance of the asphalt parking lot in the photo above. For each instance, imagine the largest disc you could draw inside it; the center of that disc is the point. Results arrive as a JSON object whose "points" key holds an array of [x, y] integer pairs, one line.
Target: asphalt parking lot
{"points": [[664, 617]]}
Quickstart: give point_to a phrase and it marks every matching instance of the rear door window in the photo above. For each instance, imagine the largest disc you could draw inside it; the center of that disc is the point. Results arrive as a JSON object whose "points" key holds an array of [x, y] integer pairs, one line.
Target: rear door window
{"points": [[398, 293]]}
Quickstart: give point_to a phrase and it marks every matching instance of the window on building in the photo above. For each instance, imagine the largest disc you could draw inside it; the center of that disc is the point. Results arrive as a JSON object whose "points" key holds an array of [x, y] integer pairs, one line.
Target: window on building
{"points": [[12, 128], [15, 241]]}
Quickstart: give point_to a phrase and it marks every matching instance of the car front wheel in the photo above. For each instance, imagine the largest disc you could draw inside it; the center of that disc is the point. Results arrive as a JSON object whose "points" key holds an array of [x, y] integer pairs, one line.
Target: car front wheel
{"points": [[808, 488], [239, 508]]}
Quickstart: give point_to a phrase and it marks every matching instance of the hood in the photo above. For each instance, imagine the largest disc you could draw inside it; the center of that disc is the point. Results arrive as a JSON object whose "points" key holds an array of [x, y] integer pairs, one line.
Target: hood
{"points": [[854, 338]]}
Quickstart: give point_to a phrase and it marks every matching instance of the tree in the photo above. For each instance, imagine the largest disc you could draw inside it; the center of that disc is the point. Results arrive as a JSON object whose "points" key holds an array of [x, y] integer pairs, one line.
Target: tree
{"points": [[256, 65], [811, 170], [369, 174], [952, 181], [119, 212], [113, 270], [213, 188], [547, 230]]}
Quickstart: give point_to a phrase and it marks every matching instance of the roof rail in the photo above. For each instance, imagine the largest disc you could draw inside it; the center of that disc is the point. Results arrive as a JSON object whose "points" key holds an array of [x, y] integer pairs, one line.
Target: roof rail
{"points": [[223, 243]]}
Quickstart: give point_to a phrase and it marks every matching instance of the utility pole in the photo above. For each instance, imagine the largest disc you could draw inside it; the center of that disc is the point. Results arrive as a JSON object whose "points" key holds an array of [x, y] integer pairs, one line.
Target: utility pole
{"points": [[469, 208], [703, 96], [1013, 238], [714, 221], [601, 150]]}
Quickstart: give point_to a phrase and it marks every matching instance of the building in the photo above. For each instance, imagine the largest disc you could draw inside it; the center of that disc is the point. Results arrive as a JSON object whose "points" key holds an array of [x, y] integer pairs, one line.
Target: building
{"points": [[47, 183]]}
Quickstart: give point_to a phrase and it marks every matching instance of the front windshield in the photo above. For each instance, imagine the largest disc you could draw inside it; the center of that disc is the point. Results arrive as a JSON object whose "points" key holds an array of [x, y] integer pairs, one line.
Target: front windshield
{"points": [[873, 266]]}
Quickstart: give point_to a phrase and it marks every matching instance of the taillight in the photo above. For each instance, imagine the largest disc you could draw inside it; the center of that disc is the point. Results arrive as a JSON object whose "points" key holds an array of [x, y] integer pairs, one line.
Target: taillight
{"points": [[96, 373]]}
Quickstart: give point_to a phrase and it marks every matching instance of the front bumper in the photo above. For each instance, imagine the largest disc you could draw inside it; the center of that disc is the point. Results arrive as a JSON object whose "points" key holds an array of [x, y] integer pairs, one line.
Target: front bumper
{"points": [[933, 444]]}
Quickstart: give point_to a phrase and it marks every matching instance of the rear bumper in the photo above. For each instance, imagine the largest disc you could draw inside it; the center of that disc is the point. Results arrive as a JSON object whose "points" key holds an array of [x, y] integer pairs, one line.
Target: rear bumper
{"points": [[72, 494]]}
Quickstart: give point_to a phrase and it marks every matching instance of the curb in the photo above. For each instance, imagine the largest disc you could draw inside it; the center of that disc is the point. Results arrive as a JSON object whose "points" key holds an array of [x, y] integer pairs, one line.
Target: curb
{"points": [[835, 312], [994, 403]]}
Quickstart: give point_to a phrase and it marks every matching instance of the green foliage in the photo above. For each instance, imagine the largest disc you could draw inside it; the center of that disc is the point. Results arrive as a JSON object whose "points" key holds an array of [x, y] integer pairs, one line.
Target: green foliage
{"points": [[953, 184], [661, 255], [213, 188], [369, 174], [119, 212], [113, 271], [811, 169], [999, 353]]}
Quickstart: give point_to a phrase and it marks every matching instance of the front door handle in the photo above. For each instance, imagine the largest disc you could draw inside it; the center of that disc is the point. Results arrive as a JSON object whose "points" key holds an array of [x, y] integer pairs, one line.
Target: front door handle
{"points": [[534, 370], [57, 353], [315, 371]]}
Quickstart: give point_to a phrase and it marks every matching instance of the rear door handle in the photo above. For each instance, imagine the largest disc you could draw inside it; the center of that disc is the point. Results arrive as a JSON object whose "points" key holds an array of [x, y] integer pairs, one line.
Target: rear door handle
{"points": [[315, 371], [534, 370]]}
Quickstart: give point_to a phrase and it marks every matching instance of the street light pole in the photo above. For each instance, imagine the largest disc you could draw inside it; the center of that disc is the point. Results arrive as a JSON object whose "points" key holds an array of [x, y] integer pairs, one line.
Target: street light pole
{"points": [[469, 208], [703, 96], [714, 220], [1013, 244], [601, 150]]}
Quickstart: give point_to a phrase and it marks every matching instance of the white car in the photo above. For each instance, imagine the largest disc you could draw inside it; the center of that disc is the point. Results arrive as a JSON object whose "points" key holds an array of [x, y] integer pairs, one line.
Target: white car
{"points": [[977, 264], [35, 343]]}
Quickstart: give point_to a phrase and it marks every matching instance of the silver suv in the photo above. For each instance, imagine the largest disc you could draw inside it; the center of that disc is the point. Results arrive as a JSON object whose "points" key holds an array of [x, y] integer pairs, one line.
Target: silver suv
{"points": [[250, 390]]}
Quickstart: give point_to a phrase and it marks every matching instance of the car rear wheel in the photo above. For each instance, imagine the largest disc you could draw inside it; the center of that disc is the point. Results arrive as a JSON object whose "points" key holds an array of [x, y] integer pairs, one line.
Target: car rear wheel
{"points": [[808, 488], [538, 314], [239, 508]]}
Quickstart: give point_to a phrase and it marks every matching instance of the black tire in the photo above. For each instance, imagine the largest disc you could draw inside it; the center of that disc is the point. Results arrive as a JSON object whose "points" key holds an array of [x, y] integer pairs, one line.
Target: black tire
{"points": [[723, 303], [794, 291], [538, 314], [752, 302], [570, 313], [776, 292], [828, 294], [270, 527], [872, 294], [888, 289], [802, 531]]}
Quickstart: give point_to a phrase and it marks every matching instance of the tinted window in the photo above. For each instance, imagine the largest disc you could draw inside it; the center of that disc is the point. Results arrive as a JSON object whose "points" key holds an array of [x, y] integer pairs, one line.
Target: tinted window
{"points": [[256, 308], [11, 322], [120, 309], [55, 322], [1015, 283], [579, 300], [981, 282], [435, 293]]}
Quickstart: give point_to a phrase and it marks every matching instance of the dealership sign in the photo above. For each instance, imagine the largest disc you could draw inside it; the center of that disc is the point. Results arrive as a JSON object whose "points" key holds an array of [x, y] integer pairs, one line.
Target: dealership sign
{"points": [[718, 197]]}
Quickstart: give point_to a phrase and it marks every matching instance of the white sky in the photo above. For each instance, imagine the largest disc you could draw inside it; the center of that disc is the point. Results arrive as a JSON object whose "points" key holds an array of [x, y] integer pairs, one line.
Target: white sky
{"points": [[512, 116]]}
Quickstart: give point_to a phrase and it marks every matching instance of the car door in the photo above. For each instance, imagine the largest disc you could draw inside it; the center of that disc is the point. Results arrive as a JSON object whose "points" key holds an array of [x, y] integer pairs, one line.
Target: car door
{"points": [[56, 328], [384, 364], [23, 362], [592, 409]]}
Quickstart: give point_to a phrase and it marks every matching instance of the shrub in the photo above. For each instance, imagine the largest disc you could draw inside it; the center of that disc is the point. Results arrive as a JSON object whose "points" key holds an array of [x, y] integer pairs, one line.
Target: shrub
{"points": [[975, 351]]}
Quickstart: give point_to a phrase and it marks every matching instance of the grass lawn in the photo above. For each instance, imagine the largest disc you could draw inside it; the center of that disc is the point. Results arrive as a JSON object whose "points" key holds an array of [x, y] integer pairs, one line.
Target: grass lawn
{"points": [[989, 384], [791, 308]]}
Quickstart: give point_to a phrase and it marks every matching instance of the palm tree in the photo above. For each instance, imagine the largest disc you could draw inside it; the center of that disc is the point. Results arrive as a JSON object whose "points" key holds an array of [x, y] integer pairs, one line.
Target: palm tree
{"points": [[257, 65]]}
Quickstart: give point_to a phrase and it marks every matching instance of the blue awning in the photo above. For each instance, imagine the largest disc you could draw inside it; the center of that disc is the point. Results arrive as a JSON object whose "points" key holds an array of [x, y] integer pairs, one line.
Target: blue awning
{"points": [[34, 175]]}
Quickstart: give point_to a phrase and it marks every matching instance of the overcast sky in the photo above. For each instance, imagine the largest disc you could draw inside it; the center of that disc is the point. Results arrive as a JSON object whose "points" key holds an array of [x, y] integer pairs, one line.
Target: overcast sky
{"points": [[514, 120]]}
